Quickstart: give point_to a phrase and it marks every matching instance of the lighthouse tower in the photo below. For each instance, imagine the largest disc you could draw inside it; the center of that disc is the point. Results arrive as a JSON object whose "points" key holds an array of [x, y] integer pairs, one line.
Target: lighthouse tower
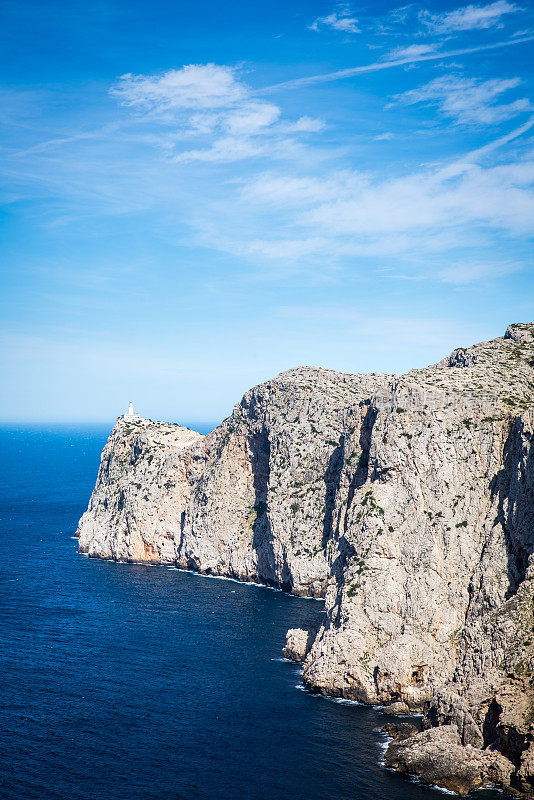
{"points": [[130, 416]]}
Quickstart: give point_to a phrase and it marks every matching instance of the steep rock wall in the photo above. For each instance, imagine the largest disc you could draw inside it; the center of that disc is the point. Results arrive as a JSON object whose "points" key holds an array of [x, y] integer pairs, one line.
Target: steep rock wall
{"points": [[414, 537], [140, 493], [252, 500], [438, 530], [407, 500]]}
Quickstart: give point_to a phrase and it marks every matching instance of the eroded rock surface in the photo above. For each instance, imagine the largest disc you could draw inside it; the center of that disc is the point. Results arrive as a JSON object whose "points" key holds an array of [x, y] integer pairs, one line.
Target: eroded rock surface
{"points": [[141, 490], [299, 642], [252, 500], [438, 757], [407, 500]]}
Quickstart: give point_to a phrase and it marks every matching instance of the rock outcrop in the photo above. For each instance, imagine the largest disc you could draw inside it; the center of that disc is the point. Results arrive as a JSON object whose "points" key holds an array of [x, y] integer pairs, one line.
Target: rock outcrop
{"points": [[408, 501], [140, 493], [252, 500], [439, 758], [299, 642]]}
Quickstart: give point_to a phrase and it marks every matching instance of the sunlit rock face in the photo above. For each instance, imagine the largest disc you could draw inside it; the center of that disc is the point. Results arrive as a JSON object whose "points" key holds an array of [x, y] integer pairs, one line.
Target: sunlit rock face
{"points": [[438, 533], [252, 500], [433, 537], [406, 500], [140, 492]]}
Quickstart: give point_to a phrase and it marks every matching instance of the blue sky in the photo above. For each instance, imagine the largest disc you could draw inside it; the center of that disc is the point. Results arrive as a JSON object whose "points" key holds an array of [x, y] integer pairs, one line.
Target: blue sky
{"points": [[197, 197]]}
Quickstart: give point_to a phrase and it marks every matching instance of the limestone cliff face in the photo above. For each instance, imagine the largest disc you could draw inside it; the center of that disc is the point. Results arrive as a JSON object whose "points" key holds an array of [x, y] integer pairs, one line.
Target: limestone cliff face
{"points": [[408, 500], [440, 529], [425, 543], [252, 500], [140, 492]]}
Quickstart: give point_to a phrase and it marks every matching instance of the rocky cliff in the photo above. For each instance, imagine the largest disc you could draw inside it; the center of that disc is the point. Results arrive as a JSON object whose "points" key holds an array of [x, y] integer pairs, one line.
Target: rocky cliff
{"points": [[406, 500], [252, 500]]}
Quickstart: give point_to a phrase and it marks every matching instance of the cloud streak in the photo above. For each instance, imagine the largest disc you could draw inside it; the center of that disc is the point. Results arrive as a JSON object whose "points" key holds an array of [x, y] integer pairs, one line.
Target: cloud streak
{"points": [[377, 66], [468, 18], [338, 20], [412, 51], [466, 100], [419, 218]]}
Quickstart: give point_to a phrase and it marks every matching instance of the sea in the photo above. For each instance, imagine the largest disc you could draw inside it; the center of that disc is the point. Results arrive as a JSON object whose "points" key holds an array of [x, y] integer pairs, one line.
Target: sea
{"points": [[133, 682]]}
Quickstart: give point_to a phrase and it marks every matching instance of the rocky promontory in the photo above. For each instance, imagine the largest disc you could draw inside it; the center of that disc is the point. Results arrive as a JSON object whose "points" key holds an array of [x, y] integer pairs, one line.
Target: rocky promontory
{"points": [[406, 501]]}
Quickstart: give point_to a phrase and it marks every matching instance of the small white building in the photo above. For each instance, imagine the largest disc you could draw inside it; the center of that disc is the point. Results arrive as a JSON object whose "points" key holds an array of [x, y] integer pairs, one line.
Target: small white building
{"points": [[130, 416]]}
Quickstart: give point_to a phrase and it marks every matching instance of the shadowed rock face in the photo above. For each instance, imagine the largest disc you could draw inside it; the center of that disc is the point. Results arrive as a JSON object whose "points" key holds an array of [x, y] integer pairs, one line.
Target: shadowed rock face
{"points": [[407, 500]]}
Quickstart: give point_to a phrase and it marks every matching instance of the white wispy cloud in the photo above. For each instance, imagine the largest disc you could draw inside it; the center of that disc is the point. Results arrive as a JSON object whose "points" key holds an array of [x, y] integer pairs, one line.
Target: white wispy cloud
{"points": [[223, 151], [299, 192], [303, 124], [251, 118], [305, 216], [339, 20], [194, 86], [468, 17], [377, 66], [427, 203], [467, 100], [431, 211], [412, 51], [211, 103]]}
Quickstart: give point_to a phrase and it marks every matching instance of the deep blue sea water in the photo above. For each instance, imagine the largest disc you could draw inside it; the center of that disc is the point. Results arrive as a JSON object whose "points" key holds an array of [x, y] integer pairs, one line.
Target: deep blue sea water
{"points": [[126, 682]]}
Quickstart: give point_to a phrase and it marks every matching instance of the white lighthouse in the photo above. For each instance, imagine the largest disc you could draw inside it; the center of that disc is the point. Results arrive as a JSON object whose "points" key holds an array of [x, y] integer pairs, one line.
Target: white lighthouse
{"points": [[131, 416]]}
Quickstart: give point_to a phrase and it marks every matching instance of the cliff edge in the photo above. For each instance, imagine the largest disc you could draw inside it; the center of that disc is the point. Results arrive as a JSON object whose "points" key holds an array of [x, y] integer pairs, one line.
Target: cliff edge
{"points": [[406, 501]]}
